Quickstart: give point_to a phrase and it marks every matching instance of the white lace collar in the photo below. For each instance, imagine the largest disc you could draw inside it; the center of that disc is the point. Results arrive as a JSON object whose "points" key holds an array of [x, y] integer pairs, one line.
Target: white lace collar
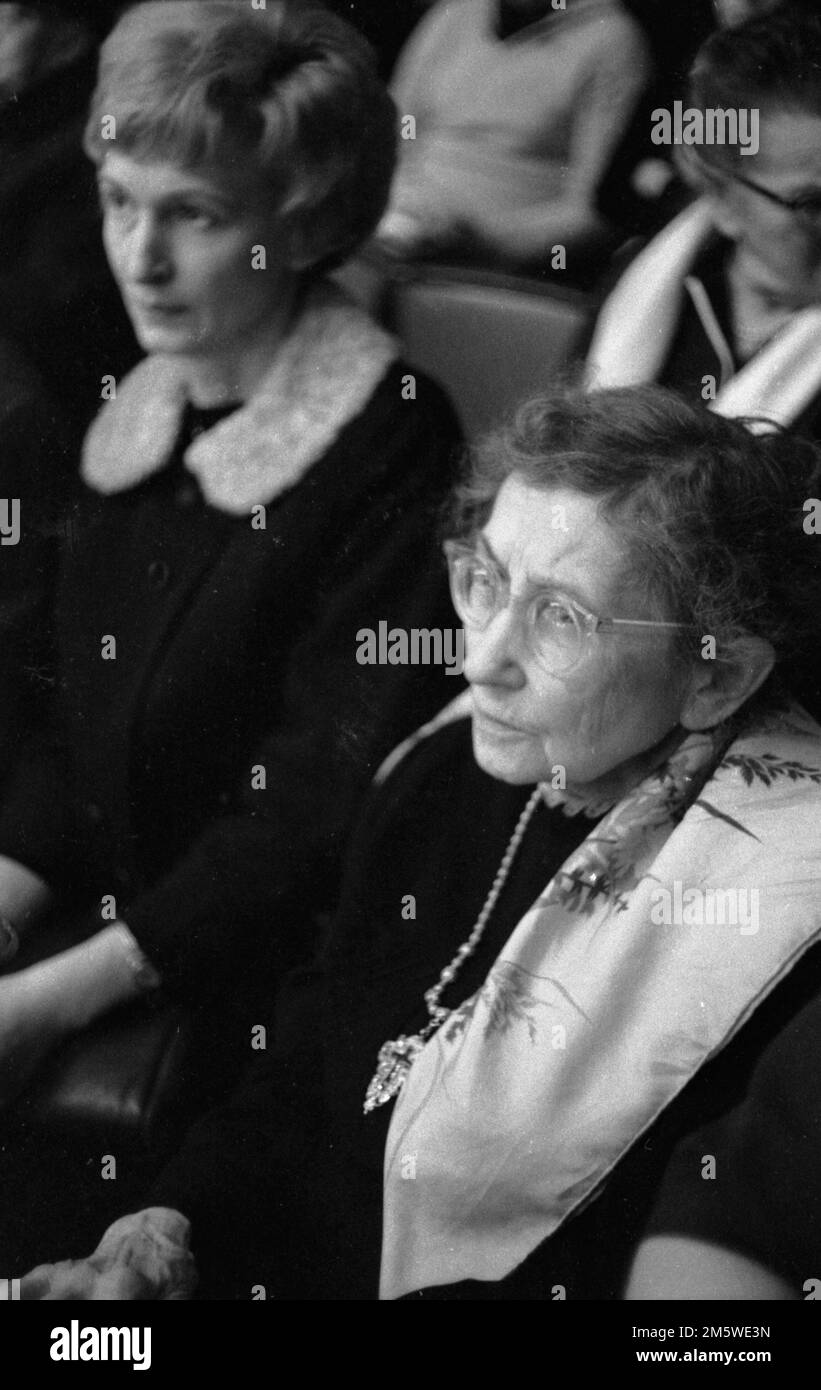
{"points": [[322, 378]]}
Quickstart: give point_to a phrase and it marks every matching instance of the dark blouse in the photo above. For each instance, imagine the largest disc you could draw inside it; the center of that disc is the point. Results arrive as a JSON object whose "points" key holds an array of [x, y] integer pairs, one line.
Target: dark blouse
{"points": [[284, 1186]]}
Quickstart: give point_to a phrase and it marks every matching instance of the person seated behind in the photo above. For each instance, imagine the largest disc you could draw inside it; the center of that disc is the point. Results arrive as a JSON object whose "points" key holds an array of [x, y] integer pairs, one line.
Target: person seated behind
{"points": [[517, 108], [725, 303], [35, 461], [58, 300], [259, 489], [580, 926]]}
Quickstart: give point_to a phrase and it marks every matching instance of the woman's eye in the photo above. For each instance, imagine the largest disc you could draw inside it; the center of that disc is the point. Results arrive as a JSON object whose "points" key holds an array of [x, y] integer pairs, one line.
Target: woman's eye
{"points": [[481, 588], [554, 615], [199, 217]]}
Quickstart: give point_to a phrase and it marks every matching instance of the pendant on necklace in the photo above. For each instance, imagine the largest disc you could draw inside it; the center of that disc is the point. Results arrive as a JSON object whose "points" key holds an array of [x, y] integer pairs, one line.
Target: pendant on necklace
{"points": [[392, 1066]]}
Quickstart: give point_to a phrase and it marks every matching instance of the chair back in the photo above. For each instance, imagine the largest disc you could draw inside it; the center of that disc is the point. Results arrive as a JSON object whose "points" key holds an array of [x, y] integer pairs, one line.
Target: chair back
{"points": [[491, 340]]}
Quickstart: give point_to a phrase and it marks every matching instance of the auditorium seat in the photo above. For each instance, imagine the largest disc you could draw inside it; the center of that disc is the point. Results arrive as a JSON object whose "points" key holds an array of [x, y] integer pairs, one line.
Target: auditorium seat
{"points": [[490, 339]]}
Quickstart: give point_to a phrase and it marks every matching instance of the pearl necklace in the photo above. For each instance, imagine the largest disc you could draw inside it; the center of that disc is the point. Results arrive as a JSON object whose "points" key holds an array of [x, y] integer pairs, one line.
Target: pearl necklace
{"points": [[397, 1057]]}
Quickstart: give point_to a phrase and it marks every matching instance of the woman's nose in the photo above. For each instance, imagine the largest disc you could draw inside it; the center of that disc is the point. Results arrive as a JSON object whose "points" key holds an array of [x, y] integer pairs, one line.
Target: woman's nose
{"points": [[494, 655], [146, 255]]}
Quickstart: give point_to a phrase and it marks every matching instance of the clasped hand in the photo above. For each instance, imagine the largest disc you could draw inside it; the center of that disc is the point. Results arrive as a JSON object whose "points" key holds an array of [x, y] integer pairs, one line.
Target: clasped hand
{"points": [[142, 1257]]}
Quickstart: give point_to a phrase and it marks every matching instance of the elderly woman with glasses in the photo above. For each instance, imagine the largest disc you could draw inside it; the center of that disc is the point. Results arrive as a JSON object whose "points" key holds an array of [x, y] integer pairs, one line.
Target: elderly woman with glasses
{"points": [[256, 491], [577, 947]]}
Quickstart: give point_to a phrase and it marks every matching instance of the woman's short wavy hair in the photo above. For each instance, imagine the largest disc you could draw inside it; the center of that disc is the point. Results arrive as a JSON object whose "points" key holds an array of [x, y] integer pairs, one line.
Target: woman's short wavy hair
{"points": [[712, 516], [290, 89]]}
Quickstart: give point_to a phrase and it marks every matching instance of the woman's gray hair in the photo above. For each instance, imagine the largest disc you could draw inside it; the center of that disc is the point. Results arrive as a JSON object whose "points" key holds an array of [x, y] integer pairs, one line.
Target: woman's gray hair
{"points": [[712, 517], [290, 89]]}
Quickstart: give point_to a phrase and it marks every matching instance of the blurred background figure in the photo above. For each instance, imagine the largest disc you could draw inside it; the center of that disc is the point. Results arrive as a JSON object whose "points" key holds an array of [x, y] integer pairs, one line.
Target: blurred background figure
{"points": [[738, 267], [518, 107], [725, 303], [642, 188], [58, 302]]}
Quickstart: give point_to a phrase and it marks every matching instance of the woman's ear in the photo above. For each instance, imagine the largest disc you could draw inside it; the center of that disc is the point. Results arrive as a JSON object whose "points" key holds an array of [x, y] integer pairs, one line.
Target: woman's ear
{"points": [[301, 236], [302, 253], [722, 684]]}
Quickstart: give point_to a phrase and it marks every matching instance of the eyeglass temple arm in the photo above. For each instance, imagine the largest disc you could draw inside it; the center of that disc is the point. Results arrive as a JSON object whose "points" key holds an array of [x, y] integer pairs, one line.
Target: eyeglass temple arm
{"points": [[639, 622]]}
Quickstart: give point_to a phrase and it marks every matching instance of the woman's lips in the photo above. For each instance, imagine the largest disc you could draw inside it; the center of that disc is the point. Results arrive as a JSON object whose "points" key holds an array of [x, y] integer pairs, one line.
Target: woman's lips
{"points": [[156, 310], [496, 725]]}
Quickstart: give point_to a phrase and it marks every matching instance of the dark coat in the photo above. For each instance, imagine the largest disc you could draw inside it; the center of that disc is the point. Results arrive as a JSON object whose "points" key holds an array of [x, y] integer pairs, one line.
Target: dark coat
{"points": [[235, 650]]}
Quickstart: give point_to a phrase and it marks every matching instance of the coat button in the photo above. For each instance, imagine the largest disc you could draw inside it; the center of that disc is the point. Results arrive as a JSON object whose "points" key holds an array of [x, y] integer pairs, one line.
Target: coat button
{"points": [[159, 574]]}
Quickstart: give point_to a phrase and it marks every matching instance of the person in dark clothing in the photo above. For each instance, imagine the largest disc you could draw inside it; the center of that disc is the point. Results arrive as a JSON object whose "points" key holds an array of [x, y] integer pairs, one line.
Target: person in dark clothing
{"points": [[259, 489], [58, 301], [34, 486], [579, 927]]}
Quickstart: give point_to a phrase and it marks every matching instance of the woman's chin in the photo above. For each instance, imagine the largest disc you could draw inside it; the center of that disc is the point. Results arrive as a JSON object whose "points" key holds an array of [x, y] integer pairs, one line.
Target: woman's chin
{"points": [[162, 340], [166, 336], [511, 759]]}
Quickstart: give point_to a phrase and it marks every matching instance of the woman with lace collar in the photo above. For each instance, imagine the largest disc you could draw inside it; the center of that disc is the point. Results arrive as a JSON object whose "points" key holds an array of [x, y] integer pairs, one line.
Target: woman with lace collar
{"points": [[260, 487]]}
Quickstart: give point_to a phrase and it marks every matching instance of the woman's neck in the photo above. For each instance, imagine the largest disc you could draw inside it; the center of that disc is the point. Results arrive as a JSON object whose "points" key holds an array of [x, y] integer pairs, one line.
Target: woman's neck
{"points": [[622, 779], [234, 373]]}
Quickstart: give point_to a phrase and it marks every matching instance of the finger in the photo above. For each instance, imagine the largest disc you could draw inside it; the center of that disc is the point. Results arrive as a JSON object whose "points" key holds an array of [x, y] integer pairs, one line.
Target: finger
{"points": [[35, 1284], [38, 1282], [120, 1285]]}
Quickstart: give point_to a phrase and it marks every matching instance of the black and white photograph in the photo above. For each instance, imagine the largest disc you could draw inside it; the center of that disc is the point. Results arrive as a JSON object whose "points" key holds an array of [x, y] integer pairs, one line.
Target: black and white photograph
{"points": [[410, 667]]}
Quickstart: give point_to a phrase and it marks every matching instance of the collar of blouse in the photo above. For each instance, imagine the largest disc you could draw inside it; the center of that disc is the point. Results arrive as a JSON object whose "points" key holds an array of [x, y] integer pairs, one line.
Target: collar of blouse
{"points": [[321, 379]]}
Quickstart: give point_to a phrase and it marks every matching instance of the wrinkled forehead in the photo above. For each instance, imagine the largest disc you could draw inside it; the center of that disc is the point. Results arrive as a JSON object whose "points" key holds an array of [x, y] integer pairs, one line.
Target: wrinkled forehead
{"points": [[547, 536]]}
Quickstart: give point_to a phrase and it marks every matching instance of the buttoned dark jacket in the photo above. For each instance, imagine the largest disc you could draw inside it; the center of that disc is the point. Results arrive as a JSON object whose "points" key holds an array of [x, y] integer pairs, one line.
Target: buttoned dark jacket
{"points": [[235, 653]]}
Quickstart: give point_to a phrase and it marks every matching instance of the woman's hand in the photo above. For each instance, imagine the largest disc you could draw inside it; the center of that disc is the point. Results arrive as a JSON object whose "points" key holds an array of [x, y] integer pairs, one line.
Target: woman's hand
{"points": [[30, 1026], [141, 1257], [46, 1003]]}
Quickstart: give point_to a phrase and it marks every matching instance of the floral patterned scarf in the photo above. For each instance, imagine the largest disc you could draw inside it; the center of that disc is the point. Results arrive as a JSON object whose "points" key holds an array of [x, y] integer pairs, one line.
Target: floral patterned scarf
{"points": [[646, 952]]}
